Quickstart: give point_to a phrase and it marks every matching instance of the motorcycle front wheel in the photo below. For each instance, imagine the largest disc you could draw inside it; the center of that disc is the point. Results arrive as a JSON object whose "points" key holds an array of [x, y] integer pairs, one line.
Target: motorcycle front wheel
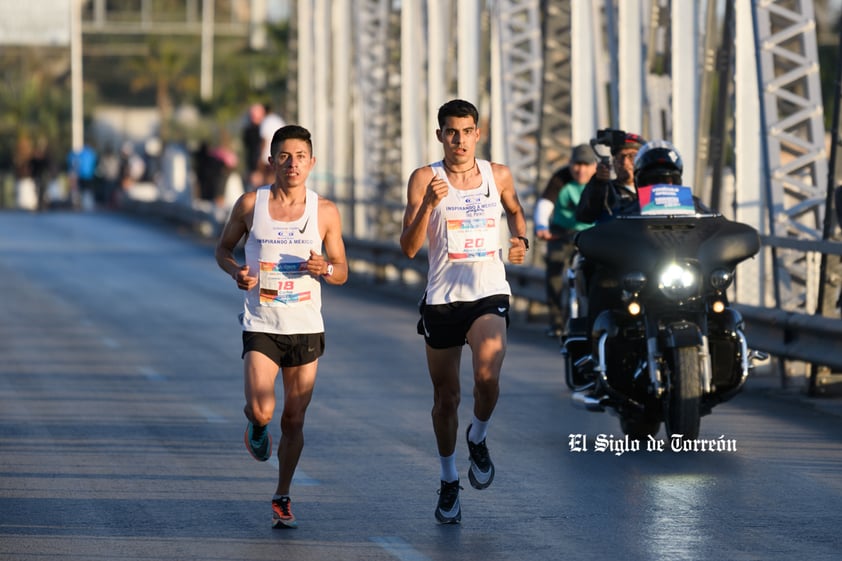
{"points": [[683, 401]]}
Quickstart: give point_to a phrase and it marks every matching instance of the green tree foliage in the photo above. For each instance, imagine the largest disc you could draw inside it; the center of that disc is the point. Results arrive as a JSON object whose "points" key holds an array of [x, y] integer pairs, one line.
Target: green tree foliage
{"points": [[34, 105], [168, 71], [243, 76], [126, 67]]}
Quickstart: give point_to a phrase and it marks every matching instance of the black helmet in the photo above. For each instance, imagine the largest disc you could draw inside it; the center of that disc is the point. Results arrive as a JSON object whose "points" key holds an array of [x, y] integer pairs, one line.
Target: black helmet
{"points": [[657, 162]]}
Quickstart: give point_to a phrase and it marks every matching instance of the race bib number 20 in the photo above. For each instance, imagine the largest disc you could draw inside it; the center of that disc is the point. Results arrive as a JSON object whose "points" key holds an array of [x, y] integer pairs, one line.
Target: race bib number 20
{"points": [[472, 239]]}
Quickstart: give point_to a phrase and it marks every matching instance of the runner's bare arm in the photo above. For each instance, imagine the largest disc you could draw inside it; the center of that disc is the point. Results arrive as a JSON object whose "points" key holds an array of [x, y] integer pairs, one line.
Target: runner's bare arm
{"points": [[514, 212], [334, 246], [424, 192], [235, 228]]}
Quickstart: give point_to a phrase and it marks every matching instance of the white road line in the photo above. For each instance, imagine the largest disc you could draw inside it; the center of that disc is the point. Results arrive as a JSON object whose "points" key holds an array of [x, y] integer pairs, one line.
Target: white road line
{"points": [[208, 414], [152, 374], [110, 343], [399, 548], [300, 478]]}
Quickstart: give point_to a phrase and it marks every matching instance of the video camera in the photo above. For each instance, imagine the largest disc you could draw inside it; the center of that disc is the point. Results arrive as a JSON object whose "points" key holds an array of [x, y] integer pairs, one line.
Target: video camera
{"points": [[612, 139]]}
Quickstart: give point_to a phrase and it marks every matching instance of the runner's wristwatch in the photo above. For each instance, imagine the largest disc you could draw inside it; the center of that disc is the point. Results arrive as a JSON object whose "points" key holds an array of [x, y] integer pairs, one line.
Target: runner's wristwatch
{"points": [[525, 241]]}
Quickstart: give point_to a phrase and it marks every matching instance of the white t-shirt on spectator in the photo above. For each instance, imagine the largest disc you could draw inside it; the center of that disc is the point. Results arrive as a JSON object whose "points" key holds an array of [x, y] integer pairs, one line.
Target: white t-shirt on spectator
{"points": [[271, 122]]}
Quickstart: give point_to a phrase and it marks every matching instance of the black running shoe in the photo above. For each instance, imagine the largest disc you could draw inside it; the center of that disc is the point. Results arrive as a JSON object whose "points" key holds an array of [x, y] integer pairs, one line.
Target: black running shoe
{"points": [[481, 470], [449, 511]]}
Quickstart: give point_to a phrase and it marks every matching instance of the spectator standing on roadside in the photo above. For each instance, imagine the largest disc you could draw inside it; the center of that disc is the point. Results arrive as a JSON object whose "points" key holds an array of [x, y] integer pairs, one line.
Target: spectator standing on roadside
{"points": [[253, 146], [81, 166], [41, 167], [271, 122], [108, 171], [214, 167], [132, 168]]}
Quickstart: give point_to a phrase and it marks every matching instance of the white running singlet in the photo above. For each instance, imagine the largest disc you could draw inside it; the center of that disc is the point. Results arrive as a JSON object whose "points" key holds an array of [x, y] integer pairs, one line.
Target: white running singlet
{"points": [[465, 257], [287, 299]]}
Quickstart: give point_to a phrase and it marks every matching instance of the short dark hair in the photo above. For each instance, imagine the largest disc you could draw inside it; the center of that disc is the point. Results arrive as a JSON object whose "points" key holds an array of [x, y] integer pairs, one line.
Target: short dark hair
{"points": [[287, 132], [457, 108]]}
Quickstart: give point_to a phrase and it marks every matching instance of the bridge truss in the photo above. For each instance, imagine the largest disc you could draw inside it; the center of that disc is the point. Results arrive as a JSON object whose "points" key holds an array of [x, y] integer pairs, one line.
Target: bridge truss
{"points": [[516, 61]]}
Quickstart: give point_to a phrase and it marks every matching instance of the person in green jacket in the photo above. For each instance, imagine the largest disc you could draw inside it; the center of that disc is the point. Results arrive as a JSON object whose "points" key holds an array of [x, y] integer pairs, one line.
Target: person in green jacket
{"points": [[555, 222]]}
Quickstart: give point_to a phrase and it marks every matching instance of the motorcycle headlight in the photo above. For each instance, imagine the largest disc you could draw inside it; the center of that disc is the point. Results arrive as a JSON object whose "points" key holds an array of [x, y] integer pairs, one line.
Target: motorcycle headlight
{"points": [[721, 279], [678, 280]]}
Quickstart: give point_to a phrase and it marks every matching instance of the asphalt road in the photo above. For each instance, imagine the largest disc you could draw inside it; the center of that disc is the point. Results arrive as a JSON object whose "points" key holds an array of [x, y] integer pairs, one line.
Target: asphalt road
{"points": [[121, 432]]}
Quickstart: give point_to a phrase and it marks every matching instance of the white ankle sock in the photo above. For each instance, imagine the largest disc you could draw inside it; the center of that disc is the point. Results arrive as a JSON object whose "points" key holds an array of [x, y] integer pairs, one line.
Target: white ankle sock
{"points": [[478, 430], [449, 473]]}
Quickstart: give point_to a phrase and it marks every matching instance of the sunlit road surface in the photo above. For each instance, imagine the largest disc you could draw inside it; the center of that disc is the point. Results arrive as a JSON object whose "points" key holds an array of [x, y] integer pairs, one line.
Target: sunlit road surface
{"points": [[121, 432]]}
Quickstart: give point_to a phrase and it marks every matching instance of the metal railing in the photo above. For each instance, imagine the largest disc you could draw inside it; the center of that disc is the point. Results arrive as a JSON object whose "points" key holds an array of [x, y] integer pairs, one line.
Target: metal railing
{"points": [[385, 262], [787, 336], [793, 336], [784, 335]]}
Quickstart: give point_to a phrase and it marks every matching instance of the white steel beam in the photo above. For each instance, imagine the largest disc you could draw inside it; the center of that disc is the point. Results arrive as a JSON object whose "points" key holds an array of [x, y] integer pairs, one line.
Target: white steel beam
{"points": [[630, 41], [439, 39], [685, 82], [467, 50], [341, 118], [502, 128], [306, 63], [206, 78], [320, 125], [76, 82], [413, 111], [584, 119], [750, 203]]}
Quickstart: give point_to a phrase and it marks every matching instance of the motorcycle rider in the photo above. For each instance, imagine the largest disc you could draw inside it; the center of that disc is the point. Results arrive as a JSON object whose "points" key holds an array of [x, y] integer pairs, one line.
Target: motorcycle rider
{"points": [[660, 347], [656, 162]]}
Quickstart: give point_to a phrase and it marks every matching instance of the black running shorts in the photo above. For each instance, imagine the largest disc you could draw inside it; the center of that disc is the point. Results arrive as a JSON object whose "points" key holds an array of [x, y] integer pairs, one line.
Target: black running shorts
{"points": [[446, 325], [285, 350]]}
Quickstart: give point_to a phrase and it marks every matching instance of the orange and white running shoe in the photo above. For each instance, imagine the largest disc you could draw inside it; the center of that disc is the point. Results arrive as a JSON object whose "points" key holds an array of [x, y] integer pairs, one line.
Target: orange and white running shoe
{"points": [[282, 516]]}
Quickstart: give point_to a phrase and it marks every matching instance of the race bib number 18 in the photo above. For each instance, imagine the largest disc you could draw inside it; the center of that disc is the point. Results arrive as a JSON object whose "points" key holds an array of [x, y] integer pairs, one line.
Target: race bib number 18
{"points": [[279, 283]]}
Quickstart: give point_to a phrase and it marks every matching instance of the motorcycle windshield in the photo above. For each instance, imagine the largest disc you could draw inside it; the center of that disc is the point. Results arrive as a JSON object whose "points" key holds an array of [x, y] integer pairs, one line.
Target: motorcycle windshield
{"points": [[641, 242]]}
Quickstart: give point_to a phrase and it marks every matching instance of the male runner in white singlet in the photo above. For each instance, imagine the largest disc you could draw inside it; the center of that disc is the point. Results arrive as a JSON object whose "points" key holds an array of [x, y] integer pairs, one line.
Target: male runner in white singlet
{"points": [[286, 226], [456, 205]]}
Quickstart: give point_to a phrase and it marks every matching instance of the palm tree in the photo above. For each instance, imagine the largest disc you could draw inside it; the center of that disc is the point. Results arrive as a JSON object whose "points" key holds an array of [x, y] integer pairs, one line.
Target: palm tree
{"points": [[168, 69], [34, 103]]}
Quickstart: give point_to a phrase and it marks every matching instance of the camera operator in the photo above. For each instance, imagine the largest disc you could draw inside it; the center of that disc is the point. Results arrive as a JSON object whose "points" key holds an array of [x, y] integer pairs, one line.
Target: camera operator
{"points": [[603, 196], [610, 192]]}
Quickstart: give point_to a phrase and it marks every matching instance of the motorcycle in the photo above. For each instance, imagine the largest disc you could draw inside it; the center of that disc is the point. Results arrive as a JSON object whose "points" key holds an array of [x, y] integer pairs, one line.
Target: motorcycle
{"points": [[670, 347]]}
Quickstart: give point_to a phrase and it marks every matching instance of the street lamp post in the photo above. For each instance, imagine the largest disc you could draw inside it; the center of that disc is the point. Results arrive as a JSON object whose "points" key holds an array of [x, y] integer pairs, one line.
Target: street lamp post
{"points": [[76, 84]]}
